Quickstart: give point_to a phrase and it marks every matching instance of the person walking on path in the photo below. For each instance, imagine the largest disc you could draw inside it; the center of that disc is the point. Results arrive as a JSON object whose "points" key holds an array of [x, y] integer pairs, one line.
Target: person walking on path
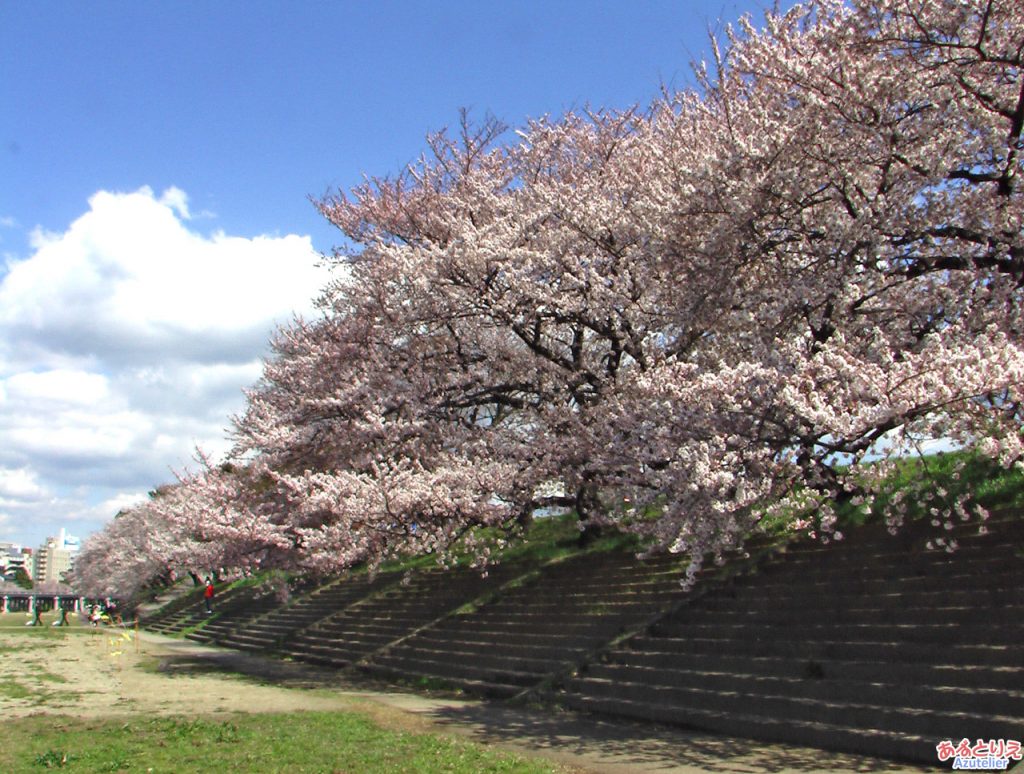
{"points": [[208, 596]]}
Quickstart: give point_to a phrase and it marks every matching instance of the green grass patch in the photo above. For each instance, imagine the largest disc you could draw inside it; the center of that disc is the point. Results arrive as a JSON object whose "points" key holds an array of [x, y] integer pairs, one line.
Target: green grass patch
{"points": [[48, 677], [547, 538], [31, 689], [915, 486], [295, 743], [12, 689], [13, 625], [936, 481]]}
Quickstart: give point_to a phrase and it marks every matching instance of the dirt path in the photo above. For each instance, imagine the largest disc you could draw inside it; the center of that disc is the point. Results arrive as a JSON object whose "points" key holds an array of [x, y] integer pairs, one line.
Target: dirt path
{"points": [[104, 674], [100, 675]]}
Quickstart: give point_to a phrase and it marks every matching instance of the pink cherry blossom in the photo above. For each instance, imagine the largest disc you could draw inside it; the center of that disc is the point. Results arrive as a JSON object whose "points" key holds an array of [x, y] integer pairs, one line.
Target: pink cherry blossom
{"points": [[740, 305]]}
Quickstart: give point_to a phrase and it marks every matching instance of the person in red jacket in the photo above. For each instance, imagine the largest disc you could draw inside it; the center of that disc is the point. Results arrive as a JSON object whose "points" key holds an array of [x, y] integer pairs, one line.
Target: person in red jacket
{"points": [[208, 596]]}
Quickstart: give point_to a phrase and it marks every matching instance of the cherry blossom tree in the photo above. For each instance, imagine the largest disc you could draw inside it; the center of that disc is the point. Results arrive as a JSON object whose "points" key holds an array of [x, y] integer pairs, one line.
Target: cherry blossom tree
{"points": [[741, 305], [137, 547], [723, 308]]}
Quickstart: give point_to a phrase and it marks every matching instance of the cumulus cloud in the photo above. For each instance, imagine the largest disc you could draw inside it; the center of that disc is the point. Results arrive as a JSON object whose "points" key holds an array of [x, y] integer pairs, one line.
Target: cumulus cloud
{"points": [[125, 342], [177, 200], [129, 280]]}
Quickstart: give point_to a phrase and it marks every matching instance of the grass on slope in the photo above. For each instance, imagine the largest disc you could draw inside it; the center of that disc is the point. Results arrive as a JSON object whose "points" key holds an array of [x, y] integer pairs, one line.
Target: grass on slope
{"points": [[937, 480]]}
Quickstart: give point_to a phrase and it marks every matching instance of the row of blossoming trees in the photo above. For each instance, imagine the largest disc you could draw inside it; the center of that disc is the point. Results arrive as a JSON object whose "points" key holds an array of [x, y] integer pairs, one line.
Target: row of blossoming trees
{"points": [[740, 304]]}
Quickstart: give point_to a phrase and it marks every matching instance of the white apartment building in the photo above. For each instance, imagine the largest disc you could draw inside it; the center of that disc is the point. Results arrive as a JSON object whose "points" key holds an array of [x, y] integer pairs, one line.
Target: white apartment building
{"points": [[54, 558]]}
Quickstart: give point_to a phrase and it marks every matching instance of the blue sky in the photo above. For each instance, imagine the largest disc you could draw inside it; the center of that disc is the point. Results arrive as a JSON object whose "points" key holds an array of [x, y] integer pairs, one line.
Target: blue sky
{"points": [[156, 164]]}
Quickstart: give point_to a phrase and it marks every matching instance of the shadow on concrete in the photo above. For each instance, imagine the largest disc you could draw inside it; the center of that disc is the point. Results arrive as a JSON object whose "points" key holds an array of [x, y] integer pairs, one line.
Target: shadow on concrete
{"points": [[176, 657], [631, 746]]}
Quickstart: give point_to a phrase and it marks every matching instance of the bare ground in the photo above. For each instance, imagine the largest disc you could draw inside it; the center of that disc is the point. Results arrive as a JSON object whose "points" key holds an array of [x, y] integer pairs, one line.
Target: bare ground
{"points": [[102, 673]]}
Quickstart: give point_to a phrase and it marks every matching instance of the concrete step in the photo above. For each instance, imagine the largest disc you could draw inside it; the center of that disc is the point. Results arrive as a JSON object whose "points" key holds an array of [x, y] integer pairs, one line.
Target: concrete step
{"points": [[545, 591], [413, 665], [913, 672], [851, 614], [334, 660], [609, 601], [883, 596], [785, 590], [828, 572], [753, 645], [475, 687], [866, 647], [913, 720], [247, 640], [294, 617], [532, 647], [995, 633], [366, 641], [882, 742], [337, 653], [271, 630], [372, 628], [483, 657], [451, 629], [571, 626], [878, 692]]}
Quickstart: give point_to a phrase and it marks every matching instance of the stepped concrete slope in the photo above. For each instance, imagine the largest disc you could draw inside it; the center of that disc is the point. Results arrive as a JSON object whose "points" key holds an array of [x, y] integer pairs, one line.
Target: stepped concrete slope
{"points": [[397, 606], [166, 601], [875, 645], [236, 611], [274, 630], [169, 618], [534, 627], [189, 610]]}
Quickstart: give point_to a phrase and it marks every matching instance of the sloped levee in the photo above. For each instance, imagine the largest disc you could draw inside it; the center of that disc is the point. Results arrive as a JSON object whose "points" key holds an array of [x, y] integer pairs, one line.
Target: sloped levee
{"points": [[190, 611], [399, 607], [875, 645], [240, 610], [274, 631], [534, 628], [520, 628]]}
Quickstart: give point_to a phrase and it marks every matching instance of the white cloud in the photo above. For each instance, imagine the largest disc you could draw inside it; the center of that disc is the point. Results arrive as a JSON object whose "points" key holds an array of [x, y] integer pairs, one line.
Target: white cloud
{"points": [[18, 485], [56, 386], [129, 277], [177, 200], [118, 503], [125, 341]]}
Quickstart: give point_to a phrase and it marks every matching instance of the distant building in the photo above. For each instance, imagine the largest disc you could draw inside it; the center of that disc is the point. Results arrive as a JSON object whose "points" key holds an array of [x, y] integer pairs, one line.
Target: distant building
{"points": [[12, 556], [54, 558], [9, 549]]}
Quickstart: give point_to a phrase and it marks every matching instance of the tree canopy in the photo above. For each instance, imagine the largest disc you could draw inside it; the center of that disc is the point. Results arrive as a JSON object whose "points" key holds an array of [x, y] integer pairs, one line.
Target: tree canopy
{"points": [[741, 304]]}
